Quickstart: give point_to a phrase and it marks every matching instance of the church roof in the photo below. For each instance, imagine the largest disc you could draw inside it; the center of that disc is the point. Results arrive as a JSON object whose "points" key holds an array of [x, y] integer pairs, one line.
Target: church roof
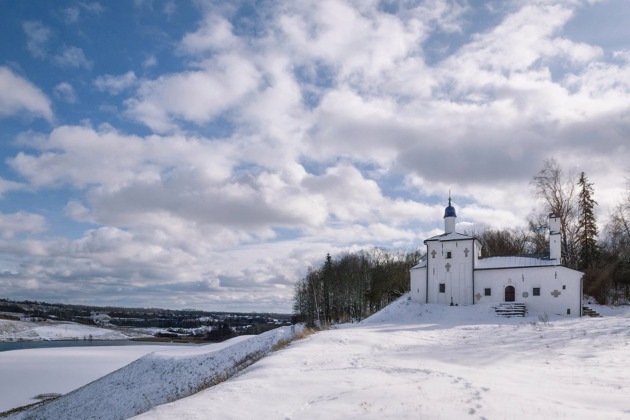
{"points": [[453, 236], [513, 262], [421, 265]]}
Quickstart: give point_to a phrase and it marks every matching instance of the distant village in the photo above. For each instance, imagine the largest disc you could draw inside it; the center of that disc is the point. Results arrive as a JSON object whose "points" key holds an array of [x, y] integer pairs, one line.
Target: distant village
{"points": [[188, 324]]}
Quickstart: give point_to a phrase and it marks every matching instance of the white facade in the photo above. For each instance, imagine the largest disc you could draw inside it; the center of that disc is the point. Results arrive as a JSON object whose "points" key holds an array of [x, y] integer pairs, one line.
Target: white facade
{"points": [[454, 273]]}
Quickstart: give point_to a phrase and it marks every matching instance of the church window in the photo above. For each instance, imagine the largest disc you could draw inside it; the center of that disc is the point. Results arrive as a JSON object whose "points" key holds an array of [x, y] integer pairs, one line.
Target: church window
{"points": [[448, 254], [536, 291], [564, 287], [487, 291], [568, 311], [442, 288]]}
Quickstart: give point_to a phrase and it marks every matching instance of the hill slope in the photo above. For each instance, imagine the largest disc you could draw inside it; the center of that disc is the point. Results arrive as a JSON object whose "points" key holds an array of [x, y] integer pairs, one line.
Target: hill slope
{"points": [[159, 377], [429, 361]]}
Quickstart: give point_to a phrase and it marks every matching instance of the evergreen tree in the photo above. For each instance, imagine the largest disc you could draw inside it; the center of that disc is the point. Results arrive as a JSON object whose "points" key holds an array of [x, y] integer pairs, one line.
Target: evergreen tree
{"points": [[327, 280], [587, 228]]}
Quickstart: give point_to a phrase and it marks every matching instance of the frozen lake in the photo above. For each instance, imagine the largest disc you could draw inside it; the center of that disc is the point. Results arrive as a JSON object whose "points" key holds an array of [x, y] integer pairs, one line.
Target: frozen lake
{"points": [[62, 366], [23, 345]]}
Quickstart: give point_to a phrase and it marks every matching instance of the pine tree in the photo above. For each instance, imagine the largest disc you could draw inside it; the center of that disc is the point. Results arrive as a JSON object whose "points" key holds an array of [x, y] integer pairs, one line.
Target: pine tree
{"points": [[327, 280], [587, 228]]}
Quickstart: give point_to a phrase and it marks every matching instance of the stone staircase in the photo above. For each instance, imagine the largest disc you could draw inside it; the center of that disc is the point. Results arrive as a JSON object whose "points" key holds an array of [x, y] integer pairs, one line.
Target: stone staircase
{"points": [[510, 309], [586, 311]]}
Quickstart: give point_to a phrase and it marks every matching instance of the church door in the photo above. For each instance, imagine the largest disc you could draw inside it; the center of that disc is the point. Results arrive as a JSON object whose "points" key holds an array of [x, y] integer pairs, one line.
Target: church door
{"points": [[509, 294]]}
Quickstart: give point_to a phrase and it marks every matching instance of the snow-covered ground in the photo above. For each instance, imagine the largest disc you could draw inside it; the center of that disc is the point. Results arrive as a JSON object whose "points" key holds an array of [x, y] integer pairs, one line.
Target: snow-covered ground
{"points": [[407, 361], [434, 362], [27, 331]]}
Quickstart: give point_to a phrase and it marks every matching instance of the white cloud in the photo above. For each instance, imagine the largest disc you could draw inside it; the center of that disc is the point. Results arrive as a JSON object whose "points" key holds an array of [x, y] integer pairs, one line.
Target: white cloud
{"points": [[150, 62], [6, 185], [115, 84], [71, 14], [169, 8], [18, 95], [215, 34], [92, 7], [81, 156], [71, 56], [197, 96], [21, 222], [37, 36], [77, 211], [65, 92]]}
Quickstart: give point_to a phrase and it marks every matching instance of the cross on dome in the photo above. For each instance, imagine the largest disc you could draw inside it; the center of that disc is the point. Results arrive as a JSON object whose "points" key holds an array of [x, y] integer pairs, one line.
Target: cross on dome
{"points": [[450, 210]]}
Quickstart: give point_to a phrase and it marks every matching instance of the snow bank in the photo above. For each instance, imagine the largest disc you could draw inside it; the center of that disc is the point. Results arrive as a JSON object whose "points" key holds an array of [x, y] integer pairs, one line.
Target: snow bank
{"points": [[404, 311], [160, 377]]}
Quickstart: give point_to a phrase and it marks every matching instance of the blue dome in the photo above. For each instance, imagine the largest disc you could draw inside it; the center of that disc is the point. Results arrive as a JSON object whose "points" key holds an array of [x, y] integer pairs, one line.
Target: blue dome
{"points": [[450, 210]]}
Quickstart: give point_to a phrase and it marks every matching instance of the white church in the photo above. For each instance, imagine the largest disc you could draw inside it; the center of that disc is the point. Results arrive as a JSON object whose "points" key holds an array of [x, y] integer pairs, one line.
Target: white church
{"points": [[455, 274]]}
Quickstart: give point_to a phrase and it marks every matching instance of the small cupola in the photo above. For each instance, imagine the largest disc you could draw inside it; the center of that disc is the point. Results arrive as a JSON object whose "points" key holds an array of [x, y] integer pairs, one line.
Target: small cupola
{"points": [[449, 217], [450, 210]]}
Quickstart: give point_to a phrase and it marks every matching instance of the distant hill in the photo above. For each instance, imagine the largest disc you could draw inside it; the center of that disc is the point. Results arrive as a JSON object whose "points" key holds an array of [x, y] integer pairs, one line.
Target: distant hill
{"points": [[180, 322]]}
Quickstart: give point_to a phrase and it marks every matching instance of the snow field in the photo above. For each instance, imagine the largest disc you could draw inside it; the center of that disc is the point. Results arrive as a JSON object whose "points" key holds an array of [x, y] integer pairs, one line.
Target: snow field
{"points": [[20, 330], [433, 362]]}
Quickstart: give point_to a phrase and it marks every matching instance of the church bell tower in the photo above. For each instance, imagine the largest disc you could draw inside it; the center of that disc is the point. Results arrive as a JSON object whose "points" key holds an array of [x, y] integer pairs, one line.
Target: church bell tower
{"points": [[449, 217]]}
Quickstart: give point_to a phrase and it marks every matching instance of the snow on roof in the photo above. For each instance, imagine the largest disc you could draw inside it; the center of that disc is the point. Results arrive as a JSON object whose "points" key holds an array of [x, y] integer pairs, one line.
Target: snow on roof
{"points": [[453, 236], [513, 262], [421, 265]]}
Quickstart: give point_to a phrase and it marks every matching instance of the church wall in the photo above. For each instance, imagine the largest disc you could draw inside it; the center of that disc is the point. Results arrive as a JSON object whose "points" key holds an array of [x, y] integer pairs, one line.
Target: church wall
{"points": [[559, 288], [418, 287], [450, 268]]}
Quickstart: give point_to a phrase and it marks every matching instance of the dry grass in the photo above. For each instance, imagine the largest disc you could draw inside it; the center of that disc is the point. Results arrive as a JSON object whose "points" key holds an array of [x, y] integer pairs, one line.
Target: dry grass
{"points": [[305, 332], [43, 397]]}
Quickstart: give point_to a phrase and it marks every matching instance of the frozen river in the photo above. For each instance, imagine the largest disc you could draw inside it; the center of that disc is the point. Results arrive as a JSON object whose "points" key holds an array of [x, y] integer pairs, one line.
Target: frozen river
{"points": [[23, 345], [42, 367]]}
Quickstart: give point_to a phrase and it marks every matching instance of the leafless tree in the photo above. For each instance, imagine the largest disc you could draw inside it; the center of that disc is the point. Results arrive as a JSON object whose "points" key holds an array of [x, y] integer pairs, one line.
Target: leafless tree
{"points": [[501, 242], [557, 190]]}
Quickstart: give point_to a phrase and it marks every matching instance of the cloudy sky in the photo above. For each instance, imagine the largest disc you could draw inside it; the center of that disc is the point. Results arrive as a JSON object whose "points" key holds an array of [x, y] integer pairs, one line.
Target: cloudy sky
{"points": [[204, 154]]}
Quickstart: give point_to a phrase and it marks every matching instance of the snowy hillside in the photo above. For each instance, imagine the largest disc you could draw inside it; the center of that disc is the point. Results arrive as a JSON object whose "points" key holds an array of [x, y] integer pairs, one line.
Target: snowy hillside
{"points": [[44, 371], [407, 361], [160, 377], [435, 362], [28, 331]]}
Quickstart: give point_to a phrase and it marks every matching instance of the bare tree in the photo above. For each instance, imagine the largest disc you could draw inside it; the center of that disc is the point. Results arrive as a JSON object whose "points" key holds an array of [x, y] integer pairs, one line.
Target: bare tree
{"points": [[557, 190], [352, 286], [618, 227], [616, 248], [497, 243], [538, 240]]}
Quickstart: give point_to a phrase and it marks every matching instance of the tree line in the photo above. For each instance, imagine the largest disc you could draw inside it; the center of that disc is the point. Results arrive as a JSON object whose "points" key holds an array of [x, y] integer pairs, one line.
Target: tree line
{"points": [[352, 286]]}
